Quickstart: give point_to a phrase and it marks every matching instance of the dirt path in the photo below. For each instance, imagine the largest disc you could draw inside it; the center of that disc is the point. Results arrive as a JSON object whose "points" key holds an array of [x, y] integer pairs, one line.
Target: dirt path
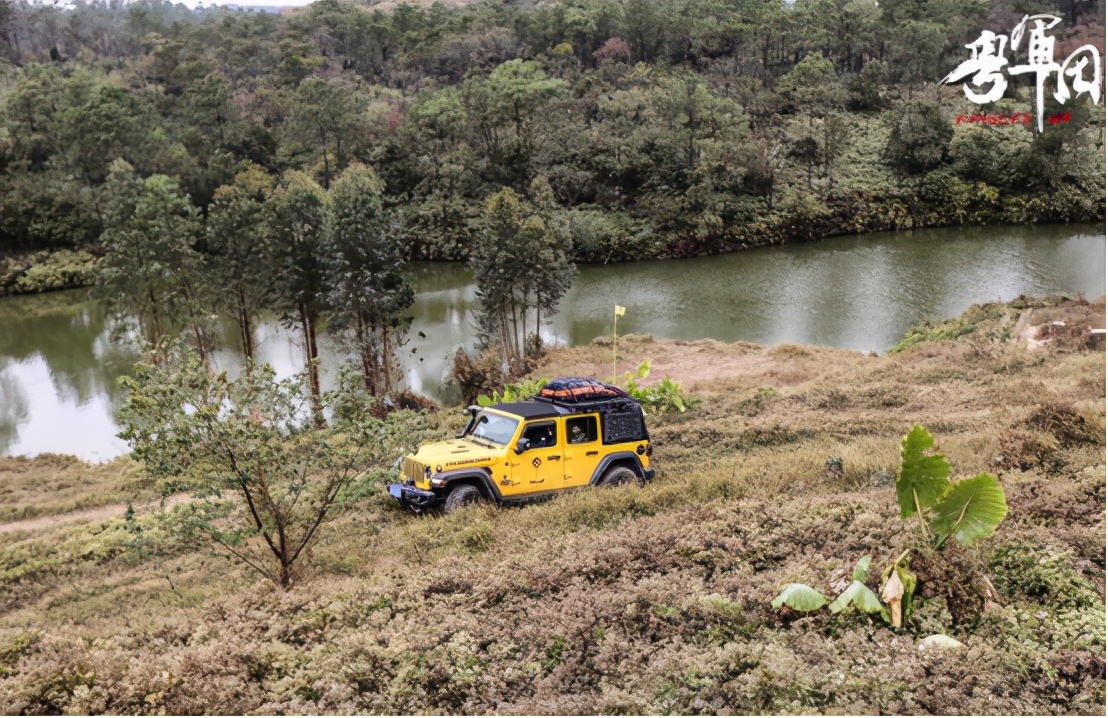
{"points": [[99, 513]]}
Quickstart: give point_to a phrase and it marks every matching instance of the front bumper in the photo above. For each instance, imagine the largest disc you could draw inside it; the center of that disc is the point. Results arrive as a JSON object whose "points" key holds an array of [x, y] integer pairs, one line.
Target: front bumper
{"points": [[412, 498], [648, 474]]}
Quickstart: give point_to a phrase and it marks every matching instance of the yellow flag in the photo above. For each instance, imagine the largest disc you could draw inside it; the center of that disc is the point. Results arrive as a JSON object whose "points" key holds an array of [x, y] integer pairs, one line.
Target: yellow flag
{"points": [[620, 311]]}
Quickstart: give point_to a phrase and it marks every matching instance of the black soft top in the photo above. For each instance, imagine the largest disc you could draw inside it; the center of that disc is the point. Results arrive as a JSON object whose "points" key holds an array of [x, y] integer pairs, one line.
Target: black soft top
{"points": [[531, 409]]}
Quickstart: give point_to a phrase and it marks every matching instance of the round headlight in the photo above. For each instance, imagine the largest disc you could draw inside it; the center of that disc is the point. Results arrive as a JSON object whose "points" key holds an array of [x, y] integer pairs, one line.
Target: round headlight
{"points": [[438, 469]]}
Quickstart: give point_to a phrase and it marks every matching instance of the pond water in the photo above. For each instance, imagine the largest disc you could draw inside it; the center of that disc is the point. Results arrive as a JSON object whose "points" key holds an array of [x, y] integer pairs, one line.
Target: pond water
{"points": [[60, 355]]}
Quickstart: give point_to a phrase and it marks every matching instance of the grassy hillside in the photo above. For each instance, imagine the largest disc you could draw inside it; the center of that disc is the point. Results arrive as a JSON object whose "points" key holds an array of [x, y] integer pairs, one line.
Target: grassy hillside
{"points": [[631, 600]]}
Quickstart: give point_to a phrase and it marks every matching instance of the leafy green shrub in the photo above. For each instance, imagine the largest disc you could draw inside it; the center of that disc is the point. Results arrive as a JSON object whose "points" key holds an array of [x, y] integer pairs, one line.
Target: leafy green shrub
{"points": [[46, 271], [965, 511], [522, 389], [659, 398]]}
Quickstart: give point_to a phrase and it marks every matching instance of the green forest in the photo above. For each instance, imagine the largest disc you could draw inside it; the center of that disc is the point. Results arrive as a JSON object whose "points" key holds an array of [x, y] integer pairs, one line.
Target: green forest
{"points": [[653, 128], [228, 161]]}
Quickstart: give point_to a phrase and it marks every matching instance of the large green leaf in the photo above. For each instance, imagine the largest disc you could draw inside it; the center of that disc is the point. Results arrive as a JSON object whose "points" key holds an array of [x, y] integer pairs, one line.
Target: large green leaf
{"points": [[857, 594], [923, 472], [971, 509], [799, 597]]}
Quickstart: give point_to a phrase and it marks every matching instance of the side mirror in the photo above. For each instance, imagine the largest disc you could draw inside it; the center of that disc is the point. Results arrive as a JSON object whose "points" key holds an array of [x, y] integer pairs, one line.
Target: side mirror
{"points": [[523, 445]]}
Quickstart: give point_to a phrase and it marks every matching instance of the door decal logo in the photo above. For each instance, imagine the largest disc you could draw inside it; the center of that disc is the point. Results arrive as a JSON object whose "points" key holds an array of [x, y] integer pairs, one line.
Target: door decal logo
{"points": [[536, 462]]}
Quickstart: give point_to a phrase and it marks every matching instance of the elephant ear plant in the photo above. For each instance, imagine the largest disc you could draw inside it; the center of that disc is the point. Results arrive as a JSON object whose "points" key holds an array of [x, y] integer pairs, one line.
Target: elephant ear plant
{"points": [[964, 510]]}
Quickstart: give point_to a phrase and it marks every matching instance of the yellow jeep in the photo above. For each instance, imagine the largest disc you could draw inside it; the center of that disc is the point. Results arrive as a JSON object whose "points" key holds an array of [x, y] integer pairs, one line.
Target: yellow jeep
{"points": [[576, 432]]}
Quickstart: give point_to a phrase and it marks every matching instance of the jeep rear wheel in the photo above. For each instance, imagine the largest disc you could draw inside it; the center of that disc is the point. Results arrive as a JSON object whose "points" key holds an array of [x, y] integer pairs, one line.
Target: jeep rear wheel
{"points": [[462, 496], [619, 476]]}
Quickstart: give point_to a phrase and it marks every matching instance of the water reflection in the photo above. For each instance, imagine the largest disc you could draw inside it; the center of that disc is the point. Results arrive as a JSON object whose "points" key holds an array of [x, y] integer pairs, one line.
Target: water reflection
{"points": [[59, 361], [58, 370]]}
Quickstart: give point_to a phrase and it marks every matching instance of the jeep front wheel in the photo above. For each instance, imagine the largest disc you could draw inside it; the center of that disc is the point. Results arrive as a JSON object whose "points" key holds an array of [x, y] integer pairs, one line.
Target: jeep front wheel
{"points": [[461, 496], [619, 476]]}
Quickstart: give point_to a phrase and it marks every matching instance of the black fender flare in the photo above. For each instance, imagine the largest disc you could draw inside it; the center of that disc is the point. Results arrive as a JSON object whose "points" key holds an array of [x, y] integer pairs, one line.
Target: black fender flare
{"points": [[620, 457], [478, 475]]}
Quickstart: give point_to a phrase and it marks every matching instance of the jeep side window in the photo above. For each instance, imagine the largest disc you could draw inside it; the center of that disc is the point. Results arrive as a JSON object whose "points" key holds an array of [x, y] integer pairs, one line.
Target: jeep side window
{"points": [[581, 430], [540, 436]]}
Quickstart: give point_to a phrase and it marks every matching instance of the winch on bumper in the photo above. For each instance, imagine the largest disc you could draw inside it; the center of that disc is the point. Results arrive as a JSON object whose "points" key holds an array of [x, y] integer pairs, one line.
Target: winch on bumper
{"points": [[412, 498]]}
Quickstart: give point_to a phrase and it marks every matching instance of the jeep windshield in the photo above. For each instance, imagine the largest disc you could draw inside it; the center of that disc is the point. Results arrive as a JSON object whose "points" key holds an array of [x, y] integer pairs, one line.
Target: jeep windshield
{"points": [[493, 428]]}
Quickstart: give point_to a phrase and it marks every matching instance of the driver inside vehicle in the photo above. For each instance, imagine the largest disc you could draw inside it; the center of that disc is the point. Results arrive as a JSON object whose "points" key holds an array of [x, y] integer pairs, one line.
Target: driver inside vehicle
{"points": [[540, 437]]}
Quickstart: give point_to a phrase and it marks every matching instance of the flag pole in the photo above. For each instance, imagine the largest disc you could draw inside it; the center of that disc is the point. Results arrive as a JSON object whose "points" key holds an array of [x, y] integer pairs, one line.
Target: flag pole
{"points": [[615, 338]]}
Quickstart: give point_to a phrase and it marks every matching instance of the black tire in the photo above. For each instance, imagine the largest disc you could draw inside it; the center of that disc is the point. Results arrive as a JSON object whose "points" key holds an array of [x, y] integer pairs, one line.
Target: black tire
{"points": [[619, 476], [461, 496]]}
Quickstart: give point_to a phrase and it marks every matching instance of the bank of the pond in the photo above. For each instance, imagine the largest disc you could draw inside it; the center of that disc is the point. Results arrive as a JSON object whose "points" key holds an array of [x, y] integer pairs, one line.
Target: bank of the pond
{"points": [[936, 203], [45, 271]]}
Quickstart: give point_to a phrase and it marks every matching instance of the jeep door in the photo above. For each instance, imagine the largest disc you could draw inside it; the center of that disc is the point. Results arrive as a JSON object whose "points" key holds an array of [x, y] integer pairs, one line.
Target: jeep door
{"points": [[539, 468], [583, 450]]}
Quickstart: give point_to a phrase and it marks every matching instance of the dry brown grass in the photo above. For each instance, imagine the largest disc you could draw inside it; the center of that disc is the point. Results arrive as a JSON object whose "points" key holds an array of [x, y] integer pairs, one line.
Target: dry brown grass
{"points": [[627, 600], [53, 484]]}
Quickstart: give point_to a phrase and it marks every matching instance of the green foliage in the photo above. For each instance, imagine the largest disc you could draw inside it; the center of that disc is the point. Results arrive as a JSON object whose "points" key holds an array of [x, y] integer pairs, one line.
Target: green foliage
{"points": [[152, 268], [522, 269], [523, 389], [811, 83], [665, 395], [265, 476], [46, 271], [368, 292], [857, 595], [972, 508], [923, 473], [949, 329], [966, 510], [638, 114], [1032, 571], [238, 240], [800, 597], [861, 569], [919, 140], [298, 216]]}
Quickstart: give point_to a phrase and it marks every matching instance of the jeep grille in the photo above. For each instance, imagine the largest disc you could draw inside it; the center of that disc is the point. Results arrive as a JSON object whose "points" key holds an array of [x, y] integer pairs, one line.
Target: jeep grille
{"points": [[413, 470]]}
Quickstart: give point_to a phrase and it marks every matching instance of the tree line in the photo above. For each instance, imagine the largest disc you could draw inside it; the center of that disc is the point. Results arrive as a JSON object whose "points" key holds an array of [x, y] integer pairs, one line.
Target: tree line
{"points": [[322, 259], [660, 127]]}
